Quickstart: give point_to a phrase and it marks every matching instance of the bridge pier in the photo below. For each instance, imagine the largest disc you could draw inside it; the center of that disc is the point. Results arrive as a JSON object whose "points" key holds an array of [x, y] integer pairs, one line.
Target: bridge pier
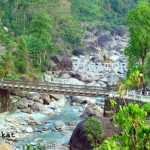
{"points": [[5, 101]]}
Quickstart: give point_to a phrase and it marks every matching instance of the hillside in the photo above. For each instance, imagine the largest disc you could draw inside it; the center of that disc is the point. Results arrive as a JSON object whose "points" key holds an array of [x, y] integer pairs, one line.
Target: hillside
{"points": [[33, 31]]}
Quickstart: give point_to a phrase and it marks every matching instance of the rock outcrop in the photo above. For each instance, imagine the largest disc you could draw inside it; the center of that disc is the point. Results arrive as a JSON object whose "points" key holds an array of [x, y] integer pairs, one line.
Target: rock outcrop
{"points": [[61, 63], [79, 141], [78, 52]]}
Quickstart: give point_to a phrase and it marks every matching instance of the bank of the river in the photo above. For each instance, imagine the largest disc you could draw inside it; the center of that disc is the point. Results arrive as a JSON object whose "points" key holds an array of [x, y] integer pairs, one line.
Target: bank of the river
{"points": [[36, 128]]}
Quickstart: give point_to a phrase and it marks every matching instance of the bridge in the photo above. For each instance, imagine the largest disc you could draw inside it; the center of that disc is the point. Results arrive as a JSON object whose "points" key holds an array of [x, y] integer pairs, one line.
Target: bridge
{"points": [[58, 88], [54, 88]]}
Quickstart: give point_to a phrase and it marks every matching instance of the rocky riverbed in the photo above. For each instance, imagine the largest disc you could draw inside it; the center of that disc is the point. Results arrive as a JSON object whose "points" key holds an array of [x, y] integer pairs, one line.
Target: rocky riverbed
{"points": [[51, 124]]}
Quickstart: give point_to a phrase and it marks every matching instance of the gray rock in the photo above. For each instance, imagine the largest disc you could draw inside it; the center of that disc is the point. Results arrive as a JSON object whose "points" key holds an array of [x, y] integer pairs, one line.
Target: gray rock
{"points": [[21, 94], [59, 125], [40, 101], [23, 103], [85, 78], [45, 97], [78, 52], [77, 99], [122, 44], [113, 44], [57, 96], [33, 95], [120, 32], [79, 141], [104, 40], [30, 102], [61, 62], [27, 110], [37, 107], [29, 129], [92, 111], [65, 76]]}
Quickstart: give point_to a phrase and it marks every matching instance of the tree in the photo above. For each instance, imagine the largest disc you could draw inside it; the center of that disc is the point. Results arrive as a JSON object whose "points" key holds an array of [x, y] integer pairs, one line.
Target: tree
{"points": [[138, 49], [40, 30], [87, 10], [66, 25], [93, 130], [135, 133], [22, 62]]}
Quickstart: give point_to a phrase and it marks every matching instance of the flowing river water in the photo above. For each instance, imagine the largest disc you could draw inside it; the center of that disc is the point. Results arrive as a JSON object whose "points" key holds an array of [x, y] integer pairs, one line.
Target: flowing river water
{"points": [[51, 137]]}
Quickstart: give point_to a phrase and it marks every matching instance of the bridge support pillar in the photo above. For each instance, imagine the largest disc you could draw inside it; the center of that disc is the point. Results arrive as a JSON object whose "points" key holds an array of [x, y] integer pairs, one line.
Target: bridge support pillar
{"points": [[5, 101]]}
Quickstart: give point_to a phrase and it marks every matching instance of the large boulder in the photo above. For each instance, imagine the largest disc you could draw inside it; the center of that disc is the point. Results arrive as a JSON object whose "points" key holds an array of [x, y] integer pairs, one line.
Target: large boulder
{"points": [[90, 42], [37, 107], [120, 32], [98, 33], [45, 97], [92, 111], [23, 103], [57, 96], [61, 63], [107, 41], [78, 52], [65, 76], [65, 64], [34, 96], [79, 141], [77, 99], [82, 77], [53, 66], [85, 78], [19, 93]]}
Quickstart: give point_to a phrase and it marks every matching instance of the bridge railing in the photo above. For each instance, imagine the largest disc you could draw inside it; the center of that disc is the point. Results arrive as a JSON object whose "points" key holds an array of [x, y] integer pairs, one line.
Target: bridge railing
{"points": [[21, 82], [138, 95], [54, 87]]}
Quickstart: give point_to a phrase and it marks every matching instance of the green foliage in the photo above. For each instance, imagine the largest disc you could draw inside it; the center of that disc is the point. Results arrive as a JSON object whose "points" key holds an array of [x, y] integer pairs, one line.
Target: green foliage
{"points": [[112, 103], [138, 49], [109, 144], [38, 29], [33, 29], [22, 56], [66, 25], [114, 11], [146, 107], [86, 10], [29, 147], [40, 40], [93, 130], [133, 79], [135, 133]]}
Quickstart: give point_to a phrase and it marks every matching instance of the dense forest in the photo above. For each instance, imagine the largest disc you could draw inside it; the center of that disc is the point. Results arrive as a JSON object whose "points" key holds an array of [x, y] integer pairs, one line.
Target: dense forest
{"points": [[32, 31]]}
